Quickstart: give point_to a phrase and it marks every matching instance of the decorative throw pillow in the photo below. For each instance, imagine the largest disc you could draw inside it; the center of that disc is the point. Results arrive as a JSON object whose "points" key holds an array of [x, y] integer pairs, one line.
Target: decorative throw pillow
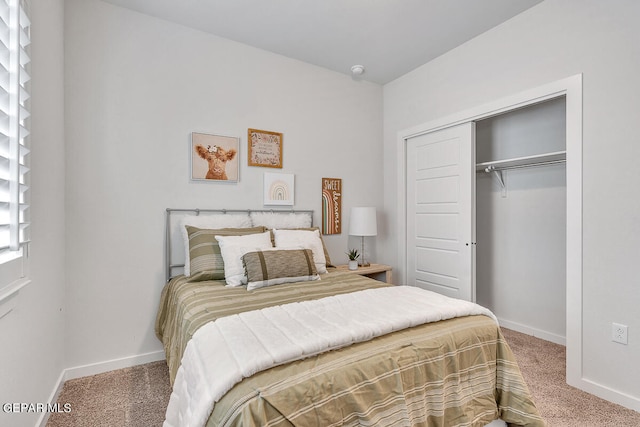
{"points": [[205, 259], [273, 267], [212, 221], [303, 239], [324, 247], [281, 219], [233, 248]]}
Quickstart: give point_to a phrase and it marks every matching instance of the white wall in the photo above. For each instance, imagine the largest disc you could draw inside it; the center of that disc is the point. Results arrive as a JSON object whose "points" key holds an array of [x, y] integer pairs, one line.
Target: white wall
{"points": [[136, 87], [521, 230], [551, 41], [32, 355]]}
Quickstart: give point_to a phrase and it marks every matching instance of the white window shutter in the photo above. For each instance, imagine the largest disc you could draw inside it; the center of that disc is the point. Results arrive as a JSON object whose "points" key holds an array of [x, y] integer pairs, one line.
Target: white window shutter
{"points": [[14, 124]]}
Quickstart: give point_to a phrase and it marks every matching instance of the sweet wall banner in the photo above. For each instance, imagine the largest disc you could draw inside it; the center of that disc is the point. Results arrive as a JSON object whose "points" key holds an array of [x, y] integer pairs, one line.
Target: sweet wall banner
{"points": [[331, 205]]}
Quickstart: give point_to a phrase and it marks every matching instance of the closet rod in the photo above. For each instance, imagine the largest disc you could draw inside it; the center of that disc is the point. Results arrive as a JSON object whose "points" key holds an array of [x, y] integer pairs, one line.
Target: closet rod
{"points": [[489, 169]]}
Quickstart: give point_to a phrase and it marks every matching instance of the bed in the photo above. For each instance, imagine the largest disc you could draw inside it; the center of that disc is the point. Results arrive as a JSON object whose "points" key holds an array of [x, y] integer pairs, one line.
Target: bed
{"points": [[450, 368]]}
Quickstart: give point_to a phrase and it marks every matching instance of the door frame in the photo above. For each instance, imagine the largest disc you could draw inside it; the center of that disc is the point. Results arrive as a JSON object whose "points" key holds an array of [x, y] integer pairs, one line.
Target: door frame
{"points": [[571, 89]]}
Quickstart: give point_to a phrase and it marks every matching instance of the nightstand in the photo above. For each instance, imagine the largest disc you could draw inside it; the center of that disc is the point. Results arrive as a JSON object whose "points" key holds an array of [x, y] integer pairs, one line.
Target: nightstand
{"points": [[373, 271]]}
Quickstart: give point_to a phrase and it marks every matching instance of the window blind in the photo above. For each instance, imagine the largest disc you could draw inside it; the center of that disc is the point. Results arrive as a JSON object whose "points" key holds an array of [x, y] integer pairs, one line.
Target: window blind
{"points": [[14, 124]]}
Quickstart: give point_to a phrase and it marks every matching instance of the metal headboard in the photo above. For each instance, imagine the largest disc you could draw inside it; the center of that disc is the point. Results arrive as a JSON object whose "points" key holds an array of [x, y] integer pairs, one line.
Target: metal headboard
{"points": [[171, 227]]}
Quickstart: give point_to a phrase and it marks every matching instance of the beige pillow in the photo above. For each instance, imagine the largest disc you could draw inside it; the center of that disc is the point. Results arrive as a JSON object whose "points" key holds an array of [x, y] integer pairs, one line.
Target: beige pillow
{"points": [[274, 267], [205, 258], [213, 222]]}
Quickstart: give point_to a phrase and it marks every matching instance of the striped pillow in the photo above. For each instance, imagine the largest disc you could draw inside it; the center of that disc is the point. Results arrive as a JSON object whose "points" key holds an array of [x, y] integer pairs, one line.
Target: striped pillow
{"points": [[273, 267], [205, 258], [303, 239]]}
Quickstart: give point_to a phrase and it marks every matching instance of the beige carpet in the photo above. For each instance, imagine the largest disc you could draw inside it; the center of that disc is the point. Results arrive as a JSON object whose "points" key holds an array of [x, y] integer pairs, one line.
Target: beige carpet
{"points": [[543, 366], [138, 396]]}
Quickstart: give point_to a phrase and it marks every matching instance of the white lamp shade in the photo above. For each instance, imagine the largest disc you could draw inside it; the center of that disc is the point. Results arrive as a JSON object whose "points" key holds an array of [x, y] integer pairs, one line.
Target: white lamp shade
{"points": [[362, 222]]}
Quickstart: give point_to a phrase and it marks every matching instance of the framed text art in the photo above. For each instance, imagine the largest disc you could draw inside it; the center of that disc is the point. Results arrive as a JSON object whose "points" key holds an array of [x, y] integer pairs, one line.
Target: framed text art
{"points": [[279, 189], [214, 157], [331, 205], [265, 148]]}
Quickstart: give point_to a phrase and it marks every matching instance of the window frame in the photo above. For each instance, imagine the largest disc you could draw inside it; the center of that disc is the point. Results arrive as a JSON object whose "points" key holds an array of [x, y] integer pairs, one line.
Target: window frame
{"points": [[15, 39]]}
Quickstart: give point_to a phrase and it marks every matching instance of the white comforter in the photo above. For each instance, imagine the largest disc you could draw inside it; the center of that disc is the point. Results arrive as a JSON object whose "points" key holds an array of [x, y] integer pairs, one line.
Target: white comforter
{"points": [[225, 351]]}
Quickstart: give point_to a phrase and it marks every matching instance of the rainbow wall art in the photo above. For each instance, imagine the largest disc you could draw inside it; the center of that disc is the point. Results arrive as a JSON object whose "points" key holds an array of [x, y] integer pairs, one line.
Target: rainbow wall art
{"points": [[331, 205], [279, 189]]}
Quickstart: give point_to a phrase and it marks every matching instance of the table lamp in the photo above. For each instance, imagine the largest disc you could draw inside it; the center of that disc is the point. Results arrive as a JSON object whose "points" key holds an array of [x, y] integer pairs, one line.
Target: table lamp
{"points": [[362, 222]]}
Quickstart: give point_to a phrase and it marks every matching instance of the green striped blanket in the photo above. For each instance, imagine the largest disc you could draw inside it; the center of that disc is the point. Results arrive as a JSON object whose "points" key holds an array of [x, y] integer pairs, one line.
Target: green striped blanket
{"points": [[453, 372]]}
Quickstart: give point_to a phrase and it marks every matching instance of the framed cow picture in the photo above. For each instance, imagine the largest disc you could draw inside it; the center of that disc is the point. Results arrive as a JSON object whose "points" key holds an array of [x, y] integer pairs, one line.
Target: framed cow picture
{"points": [[214, 158]]}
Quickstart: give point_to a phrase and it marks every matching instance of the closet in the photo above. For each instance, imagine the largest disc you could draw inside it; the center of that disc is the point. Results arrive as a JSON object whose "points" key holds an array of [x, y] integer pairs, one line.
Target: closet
{"points": [[486, 215], [520, 229]]}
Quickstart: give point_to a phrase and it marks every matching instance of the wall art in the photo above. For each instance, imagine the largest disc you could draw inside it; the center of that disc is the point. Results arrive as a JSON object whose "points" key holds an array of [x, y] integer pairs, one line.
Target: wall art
{"points": [[331, 206], [279, 189], [265, 148], [214, 157]]}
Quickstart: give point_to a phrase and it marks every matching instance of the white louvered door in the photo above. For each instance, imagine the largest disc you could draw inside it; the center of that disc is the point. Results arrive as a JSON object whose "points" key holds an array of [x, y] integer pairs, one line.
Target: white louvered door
{"points": [[441, 211]]}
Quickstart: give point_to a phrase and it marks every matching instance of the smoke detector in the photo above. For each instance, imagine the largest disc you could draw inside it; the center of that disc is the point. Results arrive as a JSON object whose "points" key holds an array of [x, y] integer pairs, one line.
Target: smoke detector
{"points": [[357, 70]]}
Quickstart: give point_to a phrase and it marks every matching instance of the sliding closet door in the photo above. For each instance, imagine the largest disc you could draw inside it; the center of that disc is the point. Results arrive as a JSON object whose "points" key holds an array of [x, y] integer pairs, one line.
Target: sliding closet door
{"points": [[440, 211]]}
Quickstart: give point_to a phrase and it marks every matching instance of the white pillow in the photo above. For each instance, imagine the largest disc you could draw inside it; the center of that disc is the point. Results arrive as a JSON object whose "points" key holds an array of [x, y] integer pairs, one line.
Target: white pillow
{"points": [[280, 219], [209, 222], [232, 248], [305, 239]]}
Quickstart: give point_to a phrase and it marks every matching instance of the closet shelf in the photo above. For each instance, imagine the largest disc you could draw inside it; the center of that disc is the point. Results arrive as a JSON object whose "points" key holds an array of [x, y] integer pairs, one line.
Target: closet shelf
{"points": [[517, 162]]}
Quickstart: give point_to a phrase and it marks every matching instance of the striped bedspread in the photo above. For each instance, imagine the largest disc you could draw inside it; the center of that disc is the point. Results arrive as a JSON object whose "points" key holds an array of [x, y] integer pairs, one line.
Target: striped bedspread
{"points": [[453, 372]]}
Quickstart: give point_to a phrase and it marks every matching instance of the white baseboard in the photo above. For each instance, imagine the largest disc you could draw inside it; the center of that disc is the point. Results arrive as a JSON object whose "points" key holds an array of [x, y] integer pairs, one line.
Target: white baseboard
{"points": [[53, 398], [111, 365], [97, 368], [538, 333], [609, 394]]}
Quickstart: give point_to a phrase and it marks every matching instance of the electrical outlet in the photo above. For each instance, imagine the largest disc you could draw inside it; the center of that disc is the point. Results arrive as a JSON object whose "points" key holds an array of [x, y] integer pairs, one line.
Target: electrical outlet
{"points": [[619, 333]]}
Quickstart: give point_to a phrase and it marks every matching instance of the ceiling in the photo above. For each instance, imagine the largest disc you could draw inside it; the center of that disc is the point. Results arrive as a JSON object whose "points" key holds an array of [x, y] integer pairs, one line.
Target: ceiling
{"points": [[388, 37]]}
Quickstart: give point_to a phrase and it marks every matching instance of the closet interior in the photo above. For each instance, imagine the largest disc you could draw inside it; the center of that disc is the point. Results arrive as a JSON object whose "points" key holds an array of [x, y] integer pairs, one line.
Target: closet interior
{"points": [[521, 218]]}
